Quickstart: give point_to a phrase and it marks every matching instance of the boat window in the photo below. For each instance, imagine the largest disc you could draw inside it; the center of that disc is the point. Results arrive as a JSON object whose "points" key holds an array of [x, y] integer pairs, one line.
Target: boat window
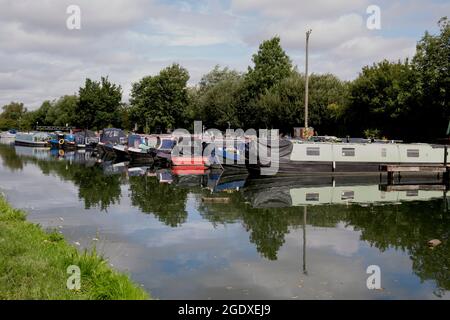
{"points": [[412, 193], [348, 195], [412, 153], [313, 151], [312, 197], [383, 152], [348, 152]]}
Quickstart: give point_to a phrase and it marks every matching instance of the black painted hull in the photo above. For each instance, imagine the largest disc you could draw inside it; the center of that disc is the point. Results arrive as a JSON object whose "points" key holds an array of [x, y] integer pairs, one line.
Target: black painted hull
{"points": [[141, 157], [105, 151], [121, 154], [31, 144], [163, 157]]}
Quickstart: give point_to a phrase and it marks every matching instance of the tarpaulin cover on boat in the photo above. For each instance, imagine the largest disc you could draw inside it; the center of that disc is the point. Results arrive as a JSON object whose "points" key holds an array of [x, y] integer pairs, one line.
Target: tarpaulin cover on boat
{"points": [[85, 137], [284, 147], [113, 136]]}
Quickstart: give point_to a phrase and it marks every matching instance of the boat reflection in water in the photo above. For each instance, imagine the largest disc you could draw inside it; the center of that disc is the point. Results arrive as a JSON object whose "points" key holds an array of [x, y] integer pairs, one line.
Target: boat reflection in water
{"points": [[340, 190], [190, 228]]}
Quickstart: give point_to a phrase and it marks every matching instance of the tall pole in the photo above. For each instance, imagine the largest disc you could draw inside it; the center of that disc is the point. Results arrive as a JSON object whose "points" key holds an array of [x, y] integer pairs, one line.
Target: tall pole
{"points": [[306, 79], [305, 211]]}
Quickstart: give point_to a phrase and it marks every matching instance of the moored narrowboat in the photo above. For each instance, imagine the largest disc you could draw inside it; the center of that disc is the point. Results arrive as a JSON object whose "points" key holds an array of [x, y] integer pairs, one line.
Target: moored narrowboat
{"points": [[141, 151], [10, 134], [108, 139], [32, 139], [86, 139], [297, 156]]}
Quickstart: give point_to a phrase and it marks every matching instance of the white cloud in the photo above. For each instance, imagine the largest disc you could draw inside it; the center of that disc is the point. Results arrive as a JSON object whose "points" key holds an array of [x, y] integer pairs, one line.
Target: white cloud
{"points": [[41, 59], [299, 9]]}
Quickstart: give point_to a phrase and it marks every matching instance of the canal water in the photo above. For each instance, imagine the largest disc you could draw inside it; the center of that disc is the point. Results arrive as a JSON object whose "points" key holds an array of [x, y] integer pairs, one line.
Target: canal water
{"points": [[194, 235]]}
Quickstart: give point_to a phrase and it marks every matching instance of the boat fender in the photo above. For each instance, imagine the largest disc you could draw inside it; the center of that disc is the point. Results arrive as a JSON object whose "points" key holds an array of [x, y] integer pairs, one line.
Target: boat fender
{"points": [[61, 141]]}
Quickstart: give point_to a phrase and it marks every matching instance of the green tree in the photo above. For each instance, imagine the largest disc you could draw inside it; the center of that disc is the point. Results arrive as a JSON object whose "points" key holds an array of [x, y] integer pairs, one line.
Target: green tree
{"points": [[432, 63], [160, 102], [63, 111], [125, 120], [31, 119], [214, 102], [271, 65], [98, 104], [283, 104], [167, 202], [382, 97], [12, 115]]}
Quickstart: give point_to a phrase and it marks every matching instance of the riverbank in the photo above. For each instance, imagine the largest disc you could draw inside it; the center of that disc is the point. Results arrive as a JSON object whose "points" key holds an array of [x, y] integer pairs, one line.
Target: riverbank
{"points": [[34, 265]]}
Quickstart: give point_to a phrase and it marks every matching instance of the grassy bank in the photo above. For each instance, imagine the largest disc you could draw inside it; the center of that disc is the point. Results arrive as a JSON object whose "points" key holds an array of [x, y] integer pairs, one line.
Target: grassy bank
{"points": [[33, 265]]}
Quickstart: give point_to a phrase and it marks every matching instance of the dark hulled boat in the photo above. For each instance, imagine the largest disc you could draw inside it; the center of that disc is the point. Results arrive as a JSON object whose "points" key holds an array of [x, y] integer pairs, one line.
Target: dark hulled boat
{"points": [[108, 139], [290, 157]]}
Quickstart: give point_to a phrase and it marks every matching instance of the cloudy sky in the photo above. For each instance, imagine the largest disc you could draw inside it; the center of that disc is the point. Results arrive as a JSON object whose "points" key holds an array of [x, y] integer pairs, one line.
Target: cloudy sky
{"points": [[40, 58]]}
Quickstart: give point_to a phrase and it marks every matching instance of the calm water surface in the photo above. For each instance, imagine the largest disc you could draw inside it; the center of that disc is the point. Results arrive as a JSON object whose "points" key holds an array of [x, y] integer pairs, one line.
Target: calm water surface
{"points": [[302, 238]]}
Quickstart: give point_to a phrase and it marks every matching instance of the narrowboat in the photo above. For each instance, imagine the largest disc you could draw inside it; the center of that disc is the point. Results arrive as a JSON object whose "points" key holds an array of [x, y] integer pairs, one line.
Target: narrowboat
{"points": [[230, 155], [32, 139], [142, 152], [121, 150], [298, 156], [108, 139], [162, 153], [61, 140], [86, 139], [10, 134]]}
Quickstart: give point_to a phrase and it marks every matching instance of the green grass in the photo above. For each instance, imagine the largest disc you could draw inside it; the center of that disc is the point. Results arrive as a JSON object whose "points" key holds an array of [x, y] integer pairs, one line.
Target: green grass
{"points": [[33, 265]]}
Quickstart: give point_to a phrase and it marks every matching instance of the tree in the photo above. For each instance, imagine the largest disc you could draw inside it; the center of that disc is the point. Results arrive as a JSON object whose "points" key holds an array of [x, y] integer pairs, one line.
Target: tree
{"points": [[124, 112], [214, 102], [160, 102], [98, 104], [37, 117], [432, 63], [271, 65], [12, 115], [63, 111], [383, 97], [283, 105]]}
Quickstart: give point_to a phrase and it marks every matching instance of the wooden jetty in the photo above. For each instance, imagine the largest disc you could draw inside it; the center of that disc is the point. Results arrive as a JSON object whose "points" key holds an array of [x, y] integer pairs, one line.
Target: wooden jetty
{"points": [[393, 169]]}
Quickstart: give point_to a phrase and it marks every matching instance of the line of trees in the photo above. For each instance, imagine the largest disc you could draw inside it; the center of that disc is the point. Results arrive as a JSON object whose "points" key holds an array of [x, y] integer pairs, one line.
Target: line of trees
{"points": [[406, 100]]}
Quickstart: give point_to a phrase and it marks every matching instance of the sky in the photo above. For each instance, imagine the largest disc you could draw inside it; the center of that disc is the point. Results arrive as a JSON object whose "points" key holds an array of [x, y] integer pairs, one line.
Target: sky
{"points": [[42, 59]]}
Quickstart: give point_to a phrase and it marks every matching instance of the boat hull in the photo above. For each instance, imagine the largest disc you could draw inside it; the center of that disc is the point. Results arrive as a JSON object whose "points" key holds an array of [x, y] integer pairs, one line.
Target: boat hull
{"points": [[121, 153], [105, 151], [141, 157], [31, 143]]}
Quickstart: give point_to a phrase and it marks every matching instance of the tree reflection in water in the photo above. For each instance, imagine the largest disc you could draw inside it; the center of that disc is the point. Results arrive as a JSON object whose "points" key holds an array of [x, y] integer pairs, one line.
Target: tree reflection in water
{"points": [[165, 201], [94, 188]]}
